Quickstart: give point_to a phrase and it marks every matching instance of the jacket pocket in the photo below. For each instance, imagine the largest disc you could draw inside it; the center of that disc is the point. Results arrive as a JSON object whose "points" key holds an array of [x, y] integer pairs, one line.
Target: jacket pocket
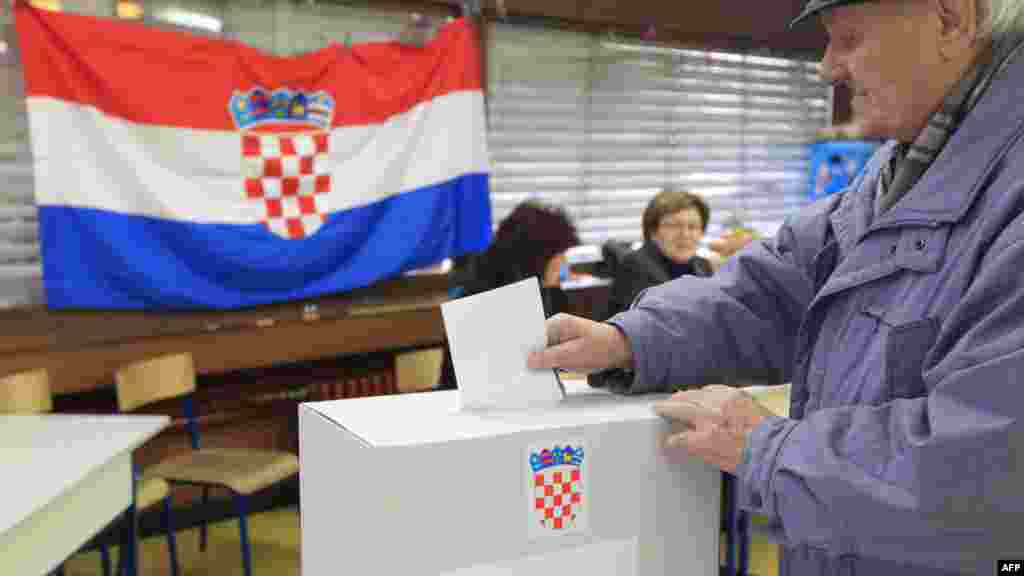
{"points": [[905, 348]]}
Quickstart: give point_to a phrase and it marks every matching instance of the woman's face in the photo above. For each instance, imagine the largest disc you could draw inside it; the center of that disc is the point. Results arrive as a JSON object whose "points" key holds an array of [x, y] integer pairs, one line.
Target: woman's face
{"points": [[678, 233]]}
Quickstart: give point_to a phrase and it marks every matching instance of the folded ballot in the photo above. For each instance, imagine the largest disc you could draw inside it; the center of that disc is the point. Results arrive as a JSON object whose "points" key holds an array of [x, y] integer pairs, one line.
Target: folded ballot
{"points": [[489, 336]]}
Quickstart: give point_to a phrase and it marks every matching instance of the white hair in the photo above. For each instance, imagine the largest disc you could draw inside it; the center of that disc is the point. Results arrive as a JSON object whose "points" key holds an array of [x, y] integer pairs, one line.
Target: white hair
{"points": [[1000, 17]]}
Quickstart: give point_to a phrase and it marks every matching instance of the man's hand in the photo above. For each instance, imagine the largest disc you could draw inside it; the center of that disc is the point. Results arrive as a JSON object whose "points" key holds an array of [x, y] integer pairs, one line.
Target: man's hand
{"points": [[581, 345], [711, 423]]}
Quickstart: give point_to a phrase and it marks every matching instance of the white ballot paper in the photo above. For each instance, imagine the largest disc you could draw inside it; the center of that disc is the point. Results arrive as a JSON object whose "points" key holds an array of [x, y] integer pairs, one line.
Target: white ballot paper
{"points": [[490, 335]]}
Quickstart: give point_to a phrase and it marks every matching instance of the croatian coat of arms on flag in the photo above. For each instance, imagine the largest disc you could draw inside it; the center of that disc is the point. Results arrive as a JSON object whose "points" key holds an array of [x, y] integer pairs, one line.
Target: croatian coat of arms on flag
{"points": [[284, 145], [557, 495]]}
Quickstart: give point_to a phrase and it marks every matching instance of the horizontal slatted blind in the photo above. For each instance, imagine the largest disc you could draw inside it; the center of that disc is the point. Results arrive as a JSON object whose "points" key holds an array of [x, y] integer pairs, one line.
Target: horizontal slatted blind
{"points": [[20, 271], [277, 26], [601, 126]]}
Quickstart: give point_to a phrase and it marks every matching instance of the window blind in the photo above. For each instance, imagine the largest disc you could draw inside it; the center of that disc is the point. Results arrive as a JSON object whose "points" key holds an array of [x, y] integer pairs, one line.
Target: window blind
{"points": [[600, 126], [20, 272]]}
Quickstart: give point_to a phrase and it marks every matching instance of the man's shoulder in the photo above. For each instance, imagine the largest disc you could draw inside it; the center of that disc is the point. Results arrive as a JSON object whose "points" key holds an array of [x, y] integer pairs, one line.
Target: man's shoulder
{"points": [[816, 214]]}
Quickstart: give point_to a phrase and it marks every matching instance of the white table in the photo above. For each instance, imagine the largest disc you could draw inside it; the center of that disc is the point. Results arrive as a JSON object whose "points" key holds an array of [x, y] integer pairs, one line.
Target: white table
{"points": [[64, 478]]}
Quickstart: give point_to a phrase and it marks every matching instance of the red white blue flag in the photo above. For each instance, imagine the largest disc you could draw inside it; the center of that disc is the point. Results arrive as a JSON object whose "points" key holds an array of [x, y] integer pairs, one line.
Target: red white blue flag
{"points": [[176, 171]]}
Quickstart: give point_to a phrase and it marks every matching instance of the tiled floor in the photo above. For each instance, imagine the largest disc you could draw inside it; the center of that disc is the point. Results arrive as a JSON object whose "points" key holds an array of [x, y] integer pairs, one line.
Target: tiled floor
{"points": [[275, 548]]}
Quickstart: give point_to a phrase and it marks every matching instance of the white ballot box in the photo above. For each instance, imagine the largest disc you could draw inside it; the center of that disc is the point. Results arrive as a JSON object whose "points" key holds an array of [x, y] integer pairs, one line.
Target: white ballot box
{"points": [[409, 485]]}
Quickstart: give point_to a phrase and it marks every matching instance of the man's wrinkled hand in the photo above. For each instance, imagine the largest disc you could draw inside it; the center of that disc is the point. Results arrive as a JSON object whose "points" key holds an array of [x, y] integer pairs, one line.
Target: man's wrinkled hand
{"points": [[581, 345], [711, 423]]}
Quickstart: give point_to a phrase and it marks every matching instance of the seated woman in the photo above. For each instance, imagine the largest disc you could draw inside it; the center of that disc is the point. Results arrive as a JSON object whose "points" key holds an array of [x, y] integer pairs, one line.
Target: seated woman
{"points": [[531, 241], [673, 222]]}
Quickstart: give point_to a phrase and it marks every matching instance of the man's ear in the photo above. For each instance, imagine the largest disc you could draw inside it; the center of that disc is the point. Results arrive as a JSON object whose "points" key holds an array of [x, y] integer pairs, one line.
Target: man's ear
{"points": [[958, 22]]}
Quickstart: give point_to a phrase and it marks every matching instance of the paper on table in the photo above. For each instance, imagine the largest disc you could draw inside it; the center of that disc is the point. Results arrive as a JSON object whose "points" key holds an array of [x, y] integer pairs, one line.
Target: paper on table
{"points": [[490, 335]]}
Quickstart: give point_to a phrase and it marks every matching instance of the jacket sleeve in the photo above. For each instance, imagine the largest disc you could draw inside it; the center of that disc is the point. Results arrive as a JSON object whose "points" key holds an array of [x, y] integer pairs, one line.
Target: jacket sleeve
{"points": [[739, 324], [936, 480]]}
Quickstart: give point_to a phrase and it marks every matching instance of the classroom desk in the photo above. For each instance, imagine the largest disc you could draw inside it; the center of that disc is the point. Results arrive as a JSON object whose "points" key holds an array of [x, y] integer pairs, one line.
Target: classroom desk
{"points": [[65, 478]]}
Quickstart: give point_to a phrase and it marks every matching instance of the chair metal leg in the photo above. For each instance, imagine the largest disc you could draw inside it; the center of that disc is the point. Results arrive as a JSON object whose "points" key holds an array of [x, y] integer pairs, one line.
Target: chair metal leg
{"points": [[730, 530], [127, 557], [172, 546], [243, 532], [202, 523], [105, 559], [783, 565], [743, 535]]}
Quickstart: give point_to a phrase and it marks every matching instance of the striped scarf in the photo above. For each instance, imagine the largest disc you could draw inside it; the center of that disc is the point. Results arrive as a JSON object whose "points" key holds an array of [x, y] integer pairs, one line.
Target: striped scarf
{"points": [[909, 161]]}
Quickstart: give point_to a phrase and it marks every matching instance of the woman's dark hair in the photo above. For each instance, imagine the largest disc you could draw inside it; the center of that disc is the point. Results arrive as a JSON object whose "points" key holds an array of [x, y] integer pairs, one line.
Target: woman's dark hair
{"points": [[668, 202], [531, 235]]}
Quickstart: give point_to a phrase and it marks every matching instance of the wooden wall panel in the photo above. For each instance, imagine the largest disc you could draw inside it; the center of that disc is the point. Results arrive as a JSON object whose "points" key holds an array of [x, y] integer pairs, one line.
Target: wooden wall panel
{"points": [[566, 10], [83, 349], [735, 24], [89, 367]]}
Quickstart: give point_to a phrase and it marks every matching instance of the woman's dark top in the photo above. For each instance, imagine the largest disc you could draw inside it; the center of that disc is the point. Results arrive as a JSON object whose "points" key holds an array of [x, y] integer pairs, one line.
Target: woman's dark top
{"points": [[645, 267]]}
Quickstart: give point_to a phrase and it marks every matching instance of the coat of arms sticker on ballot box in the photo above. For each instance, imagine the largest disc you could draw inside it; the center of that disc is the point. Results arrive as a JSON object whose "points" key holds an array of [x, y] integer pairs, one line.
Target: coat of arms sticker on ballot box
{"points": [[556, 488], [285, 136]]}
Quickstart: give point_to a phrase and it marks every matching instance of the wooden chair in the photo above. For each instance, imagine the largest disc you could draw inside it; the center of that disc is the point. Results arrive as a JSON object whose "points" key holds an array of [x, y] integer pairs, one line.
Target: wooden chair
{"points": [[29, 393], [242, 472], [25, 393], [418, 370]]}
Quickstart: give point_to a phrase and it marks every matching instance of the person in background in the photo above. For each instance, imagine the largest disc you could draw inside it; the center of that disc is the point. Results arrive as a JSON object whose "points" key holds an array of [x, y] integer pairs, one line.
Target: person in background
{"points": [[674, 221], [531, 241], [895, 308]]}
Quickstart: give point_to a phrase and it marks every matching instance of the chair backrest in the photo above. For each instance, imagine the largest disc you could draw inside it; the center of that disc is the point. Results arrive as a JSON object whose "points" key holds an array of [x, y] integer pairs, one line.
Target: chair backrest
{"points": [[613, 252], [155, 379], [418, 370], [25, 393]]}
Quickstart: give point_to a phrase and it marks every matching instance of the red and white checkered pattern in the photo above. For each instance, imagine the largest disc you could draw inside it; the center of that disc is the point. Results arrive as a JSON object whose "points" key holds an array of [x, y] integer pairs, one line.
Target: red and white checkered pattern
{"points": [[558, 497], [289, 173]]}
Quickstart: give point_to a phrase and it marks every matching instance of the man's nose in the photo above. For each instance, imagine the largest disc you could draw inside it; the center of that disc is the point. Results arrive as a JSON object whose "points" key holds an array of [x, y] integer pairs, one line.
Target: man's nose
{"points": [[829, 70]]}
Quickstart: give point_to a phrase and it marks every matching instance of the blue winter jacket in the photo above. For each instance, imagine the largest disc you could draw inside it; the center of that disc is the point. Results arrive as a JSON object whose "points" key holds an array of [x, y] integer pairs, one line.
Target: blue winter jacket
{"points": [[903, 337]]}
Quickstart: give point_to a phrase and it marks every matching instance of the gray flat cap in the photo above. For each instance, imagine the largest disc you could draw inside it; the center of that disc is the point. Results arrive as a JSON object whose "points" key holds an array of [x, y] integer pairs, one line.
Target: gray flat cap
{"points": [[815, 6]]}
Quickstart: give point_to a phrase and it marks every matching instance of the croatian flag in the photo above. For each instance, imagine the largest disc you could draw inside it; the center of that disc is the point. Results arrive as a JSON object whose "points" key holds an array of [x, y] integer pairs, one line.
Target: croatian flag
{"points": [[175, 171]]}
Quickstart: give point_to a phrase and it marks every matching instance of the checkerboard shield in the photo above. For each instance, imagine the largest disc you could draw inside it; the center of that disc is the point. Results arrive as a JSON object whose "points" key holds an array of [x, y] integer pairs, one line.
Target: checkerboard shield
{"points": [[558, 497], [556, 489], [288, 174]]}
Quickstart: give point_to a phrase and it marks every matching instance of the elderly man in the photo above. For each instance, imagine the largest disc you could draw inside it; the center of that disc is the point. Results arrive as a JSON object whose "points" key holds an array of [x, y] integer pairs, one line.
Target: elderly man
{"points": [[896, 308]]}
